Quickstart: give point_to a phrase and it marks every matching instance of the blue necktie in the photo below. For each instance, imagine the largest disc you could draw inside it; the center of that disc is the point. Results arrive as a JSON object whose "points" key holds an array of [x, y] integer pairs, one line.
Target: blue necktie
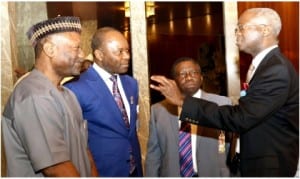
{"points": [[185, 150]]}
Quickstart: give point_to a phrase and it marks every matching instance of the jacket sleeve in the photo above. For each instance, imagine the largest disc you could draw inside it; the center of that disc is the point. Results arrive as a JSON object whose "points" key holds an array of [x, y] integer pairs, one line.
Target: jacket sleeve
{"points": [[264, 98]]}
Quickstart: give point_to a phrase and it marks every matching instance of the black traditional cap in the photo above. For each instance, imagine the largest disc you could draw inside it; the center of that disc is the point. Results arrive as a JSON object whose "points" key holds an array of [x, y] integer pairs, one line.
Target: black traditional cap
{"points": [[51, 26]]}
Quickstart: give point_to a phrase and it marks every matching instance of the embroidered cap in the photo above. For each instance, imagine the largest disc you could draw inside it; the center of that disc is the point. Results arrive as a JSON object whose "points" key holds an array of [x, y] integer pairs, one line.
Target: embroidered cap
{"points": [[51, 26]]}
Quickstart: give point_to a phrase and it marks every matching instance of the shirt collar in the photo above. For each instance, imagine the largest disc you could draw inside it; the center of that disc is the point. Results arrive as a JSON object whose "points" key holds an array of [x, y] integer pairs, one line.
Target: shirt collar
{"points": [[198, 94], [259, 57], [103, 73]]}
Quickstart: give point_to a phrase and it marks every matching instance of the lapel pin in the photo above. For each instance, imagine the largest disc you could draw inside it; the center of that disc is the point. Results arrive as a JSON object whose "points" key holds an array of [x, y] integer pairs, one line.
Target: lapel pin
{"points": [[131, 100]]}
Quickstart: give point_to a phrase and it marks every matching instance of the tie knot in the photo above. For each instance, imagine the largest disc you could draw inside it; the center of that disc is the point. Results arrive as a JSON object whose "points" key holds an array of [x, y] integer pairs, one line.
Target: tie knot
{"points": [[113, 78], [185, 126]]}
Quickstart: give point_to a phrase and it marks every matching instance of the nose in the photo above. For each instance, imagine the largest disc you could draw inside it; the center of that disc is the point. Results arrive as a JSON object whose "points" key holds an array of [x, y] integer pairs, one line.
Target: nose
{"points": [[237, 31], [189, 75], [126, 55]]}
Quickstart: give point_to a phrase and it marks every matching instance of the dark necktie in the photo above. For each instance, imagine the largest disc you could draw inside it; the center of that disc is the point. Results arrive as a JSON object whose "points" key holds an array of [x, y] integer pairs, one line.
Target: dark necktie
{"points": [[185, 150], [119, 101]]}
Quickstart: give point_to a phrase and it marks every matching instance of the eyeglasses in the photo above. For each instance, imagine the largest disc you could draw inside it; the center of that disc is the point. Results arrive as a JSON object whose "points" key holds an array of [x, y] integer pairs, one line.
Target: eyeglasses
{"points": [[241, 27], [185, 74]]}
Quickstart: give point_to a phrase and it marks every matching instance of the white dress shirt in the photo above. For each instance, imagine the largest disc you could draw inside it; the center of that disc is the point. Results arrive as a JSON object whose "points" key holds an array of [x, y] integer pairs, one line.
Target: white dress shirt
{"points": [[259, 57], [193, 134], [105, 76]]}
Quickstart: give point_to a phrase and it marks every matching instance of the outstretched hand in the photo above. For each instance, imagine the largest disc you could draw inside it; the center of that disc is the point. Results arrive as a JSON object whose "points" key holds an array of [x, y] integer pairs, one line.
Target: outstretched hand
{"points": [[168, 88]]}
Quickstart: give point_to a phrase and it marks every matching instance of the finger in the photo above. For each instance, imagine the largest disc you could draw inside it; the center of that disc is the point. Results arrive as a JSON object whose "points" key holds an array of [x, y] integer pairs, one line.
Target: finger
{"points": [[156, 78], [159, 80], [154, 87]]}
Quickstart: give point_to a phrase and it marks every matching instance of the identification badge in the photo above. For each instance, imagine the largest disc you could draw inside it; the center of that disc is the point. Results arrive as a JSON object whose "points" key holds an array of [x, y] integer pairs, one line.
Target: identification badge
{"points": [[221, 142]]}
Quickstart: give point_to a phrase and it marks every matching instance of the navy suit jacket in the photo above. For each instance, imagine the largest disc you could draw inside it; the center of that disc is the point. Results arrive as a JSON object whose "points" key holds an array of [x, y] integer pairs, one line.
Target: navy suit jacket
{"points": [[108, 138], [267, 118]]}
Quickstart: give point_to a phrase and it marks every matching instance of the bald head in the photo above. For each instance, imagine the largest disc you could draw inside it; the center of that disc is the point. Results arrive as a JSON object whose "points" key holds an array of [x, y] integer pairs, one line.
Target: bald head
{"points": [[100, 36], [111, 50], [257, 29]]}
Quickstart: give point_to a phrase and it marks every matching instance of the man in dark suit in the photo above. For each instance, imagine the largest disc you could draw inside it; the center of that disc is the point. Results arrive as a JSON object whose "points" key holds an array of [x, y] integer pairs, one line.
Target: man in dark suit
{"points": [[267, 116], [112, 135], [209, 152]]}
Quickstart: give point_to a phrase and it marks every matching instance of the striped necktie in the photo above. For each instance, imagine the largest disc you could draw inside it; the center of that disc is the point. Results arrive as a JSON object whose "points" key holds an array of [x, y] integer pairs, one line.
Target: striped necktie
{"points": [[185, 150]]}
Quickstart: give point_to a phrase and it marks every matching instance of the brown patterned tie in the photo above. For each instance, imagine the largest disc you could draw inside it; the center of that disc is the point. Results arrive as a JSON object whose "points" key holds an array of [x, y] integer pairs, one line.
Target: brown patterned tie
{"points": [[250, 73], [119, 101]]}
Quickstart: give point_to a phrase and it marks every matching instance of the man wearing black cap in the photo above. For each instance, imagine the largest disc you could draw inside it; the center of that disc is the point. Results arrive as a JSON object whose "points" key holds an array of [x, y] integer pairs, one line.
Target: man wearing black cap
{"points": [[43, 129]]}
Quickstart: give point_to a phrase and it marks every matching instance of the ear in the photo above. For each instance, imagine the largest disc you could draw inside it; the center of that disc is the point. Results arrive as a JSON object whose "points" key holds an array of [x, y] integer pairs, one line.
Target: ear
{"points": [[201, 78], [49, 49], [98, 54], [267, 30]]}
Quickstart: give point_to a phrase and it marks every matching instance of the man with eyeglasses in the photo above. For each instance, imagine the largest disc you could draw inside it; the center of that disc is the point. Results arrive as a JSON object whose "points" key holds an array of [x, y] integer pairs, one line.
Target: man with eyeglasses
{"points": [[209, 147], [109, 101], [267, 116]]}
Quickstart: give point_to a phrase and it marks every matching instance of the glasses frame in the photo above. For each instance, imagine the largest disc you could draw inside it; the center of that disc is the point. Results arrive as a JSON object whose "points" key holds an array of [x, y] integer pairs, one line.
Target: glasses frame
{"points": [[185, 74], [243, 27]]}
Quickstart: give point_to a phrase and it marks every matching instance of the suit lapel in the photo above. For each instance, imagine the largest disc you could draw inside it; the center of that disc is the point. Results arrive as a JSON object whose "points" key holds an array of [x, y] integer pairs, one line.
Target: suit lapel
{"points": [[264, 63], [173, 119], [132, 101], [97, 84]]}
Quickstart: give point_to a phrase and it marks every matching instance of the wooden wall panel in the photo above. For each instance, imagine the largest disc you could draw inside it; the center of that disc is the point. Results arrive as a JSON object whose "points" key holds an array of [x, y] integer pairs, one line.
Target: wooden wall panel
{"points": [[167, 48]]}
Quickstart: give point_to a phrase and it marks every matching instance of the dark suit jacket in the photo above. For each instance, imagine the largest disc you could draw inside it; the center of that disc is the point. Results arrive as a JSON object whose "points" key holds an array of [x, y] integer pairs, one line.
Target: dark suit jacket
{"points": [[267, 118], [108, 137], [162, 158]]}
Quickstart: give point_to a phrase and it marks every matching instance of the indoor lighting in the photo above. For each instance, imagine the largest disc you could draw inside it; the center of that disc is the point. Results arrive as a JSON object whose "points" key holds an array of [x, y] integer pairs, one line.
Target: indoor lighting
{"points": [[127, 10], [150, 8]]}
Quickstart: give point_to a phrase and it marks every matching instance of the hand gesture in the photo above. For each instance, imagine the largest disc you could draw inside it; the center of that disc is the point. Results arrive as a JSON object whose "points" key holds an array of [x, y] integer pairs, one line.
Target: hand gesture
{"points": [[168, 88]]}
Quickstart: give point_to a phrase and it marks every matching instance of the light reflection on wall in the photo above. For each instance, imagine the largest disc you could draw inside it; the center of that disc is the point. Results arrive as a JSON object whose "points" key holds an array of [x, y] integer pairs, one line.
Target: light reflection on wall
{"points": [[208, 24], [171, 23], [153, 28], [188, 12], [153, 33], [189, 24], [171, 26], [171, 16]]}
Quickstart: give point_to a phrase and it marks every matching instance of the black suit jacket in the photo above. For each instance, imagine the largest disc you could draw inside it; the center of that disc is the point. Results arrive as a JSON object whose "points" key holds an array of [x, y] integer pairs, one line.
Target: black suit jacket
{"points": [[267, 118]]}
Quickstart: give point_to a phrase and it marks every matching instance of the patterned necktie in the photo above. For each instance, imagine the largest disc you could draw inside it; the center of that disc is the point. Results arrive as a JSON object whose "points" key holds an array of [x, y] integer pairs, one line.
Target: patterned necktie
{"points": [[250, 73], [119, 101], [185, 150]]}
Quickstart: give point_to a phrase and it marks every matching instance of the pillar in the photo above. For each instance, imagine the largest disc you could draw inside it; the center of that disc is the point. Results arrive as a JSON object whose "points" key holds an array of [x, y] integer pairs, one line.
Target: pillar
{"points": [[140, 70]]}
